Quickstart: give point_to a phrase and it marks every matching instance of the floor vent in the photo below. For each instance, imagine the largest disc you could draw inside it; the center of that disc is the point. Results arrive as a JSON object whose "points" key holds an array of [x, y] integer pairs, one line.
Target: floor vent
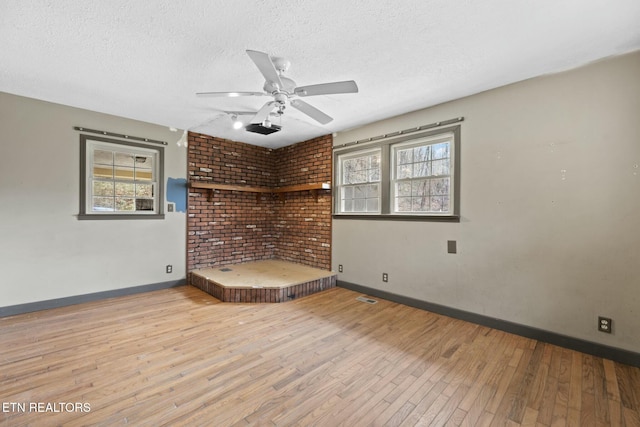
{"points": [[367, 300], [226, 269]]}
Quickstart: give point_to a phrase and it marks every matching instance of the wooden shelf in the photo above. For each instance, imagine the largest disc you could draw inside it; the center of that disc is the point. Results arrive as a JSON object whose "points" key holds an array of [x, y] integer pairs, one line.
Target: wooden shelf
{"points": [[303, 187], [313, 188], [212, 186]]}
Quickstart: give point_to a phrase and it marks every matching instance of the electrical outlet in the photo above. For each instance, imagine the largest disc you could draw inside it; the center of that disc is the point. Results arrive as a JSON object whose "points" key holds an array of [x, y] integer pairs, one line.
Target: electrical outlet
{"points": [[385, 277], [605, 324], [171, 207], [340, 268], [169, 269]]}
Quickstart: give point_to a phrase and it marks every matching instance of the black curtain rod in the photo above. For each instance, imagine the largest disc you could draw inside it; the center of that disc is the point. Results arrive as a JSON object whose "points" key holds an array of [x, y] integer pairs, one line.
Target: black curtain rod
{"points": [[401, 132], [119, 135]]}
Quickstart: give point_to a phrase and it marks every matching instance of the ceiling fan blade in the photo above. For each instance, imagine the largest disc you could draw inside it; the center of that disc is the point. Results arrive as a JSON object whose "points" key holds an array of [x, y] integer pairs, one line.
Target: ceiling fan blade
{"points": [[266, 67], [230, 94], [311, 111], [348, 86], [263, 113]]}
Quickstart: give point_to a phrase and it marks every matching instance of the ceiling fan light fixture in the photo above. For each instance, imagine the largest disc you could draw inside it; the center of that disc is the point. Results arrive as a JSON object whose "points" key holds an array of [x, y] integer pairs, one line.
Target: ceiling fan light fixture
{"points": [[237, 123], [182, 142]]}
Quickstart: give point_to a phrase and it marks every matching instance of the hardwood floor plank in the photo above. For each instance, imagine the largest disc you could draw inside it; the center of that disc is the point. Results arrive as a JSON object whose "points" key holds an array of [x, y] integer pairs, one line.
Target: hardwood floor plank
{"points": [[588, 409], [424, 404], [611, 379], [601, 397], [431, 412], [539, 383], [477, 408], [450, 407], [547, 403], [456, 418], [587, 374], [179, 357], [501, 391], [485, 419], [530, 417], [631, 417], [615, 414], [369, 410], [575, 382], [525, 388], [400, 415], [629, 395]]}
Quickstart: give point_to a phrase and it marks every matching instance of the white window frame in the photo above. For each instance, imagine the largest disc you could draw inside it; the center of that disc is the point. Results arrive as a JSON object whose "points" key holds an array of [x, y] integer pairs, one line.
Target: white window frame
{"points": [[394, 180], [389, 148], [88, 145], [343, 187]]}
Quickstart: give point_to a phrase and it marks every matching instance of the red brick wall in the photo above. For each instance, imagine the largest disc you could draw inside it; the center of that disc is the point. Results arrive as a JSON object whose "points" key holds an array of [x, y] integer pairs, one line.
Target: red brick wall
{"points": [[232, 227], [304, 224], [235, 227]]}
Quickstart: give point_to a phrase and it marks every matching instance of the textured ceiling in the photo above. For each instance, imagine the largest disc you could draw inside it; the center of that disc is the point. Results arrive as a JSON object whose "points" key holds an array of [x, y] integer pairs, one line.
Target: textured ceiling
{"points": [[146, 59]]}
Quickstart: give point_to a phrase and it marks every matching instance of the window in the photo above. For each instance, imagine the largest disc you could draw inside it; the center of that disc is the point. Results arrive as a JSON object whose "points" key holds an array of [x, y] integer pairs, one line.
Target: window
{"points": [[421, 181], [120, 179], [360, 177], [412, 176]]}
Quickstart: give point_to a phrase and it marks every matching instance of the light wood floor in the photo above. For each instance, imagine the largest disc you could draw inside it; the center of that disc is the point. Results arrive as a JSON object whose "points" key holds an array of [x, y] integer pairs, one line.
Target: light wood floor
{"points": [[178, 357]]}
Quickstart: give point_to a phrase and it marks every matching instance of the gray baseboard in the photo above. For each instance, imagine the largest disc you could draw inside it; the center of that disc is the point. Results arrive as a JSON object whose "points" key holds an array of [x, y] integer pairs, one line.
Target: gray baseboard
{"points": [[616, 354], [13, 310]]}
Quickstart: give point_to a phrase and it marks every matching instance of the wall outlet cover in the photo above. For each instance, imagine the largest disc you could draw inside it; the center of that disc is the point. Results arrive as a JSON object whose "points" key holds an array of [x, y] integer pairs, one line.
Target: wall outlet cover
{"points": [[605, 324]]}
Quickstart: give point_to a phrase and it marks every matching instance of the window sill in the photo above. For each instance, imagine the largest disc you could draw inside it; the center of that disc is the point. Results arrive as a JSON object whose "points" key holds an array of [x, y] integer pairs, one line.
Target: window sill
{"points": [[119, 216], [392, 217]]}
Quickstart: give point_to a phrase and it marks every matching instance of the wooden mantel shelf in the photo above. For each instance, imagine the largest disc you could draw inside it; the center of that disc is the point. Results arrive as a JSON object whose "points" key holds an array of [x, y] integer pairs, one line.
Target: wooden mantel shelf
{"points": [[314, 187]]}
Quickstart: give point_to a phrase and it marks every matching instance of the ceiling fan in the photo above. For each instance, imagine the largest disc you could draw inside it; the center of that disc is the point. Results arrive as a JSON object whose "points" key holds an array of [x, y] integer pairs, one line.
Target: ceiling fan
{"points": [[284, 91]]}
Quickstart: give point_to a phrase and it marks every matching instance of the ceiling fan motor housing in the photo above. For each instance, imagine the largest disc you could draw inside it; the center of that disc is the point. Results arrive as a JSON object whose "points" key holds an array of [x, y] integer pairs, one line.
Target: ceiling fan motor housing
{"points": [[288, 86]]}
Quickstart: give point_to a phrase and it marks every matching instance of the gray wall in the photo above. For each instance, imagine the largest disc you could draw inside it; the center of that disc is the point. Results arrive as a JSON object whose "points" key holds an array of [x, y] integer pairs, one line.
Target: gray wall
{"points": [[45, 251], [550, 205]]}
